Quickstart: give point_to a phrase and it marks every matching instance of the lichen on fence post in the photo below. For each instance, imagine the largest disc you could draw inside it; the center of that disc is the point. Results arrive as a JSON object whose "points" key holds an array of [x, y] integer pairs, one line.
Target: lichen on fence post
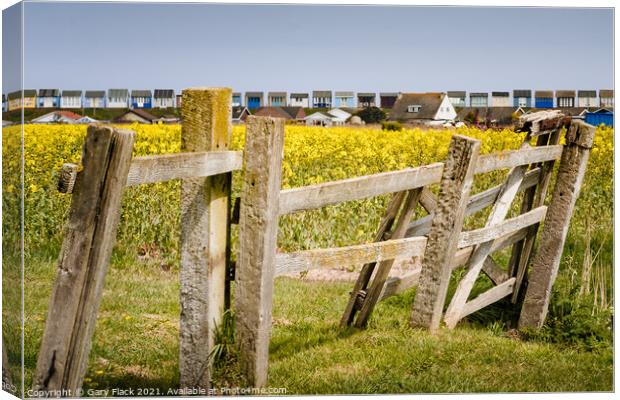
{"points": [[258, 229], [204, 233], [546, 263], [455, 185]]}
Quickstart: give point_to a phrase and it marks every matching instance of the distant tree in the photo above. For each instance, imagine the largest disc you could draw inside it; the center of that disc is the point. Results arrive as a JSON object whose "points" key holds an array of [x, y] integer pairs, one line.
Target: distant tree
{"points": [[391, 126], [372, 115]]}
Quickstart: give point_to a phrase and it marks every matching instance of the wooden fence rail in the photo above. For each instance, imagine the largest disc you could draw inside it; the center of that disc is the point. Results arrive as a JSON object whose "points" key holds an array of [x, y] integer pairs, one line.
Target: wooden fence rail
{"points": [[167, 167]]}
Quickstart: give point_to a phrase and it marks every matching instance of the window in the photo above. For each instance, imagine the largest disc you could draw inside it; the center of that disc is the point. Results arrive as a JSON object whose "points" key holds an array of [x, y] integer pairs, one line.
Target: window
{"points": [[413, 108]]}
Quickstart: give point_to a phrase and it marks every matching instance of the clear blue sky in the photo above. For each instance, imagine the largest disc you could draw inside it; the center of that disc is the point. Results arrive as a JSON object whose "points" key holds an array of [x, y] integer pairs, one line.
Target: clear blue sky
{"points": [[301, 48]]}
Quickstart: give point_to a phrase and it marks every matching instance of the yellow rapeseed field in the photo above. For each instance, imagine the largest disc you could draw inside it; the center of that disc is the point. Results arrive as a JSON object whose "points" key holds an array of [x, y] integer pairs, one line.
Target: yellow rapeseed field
{"points": [[312, 155]]}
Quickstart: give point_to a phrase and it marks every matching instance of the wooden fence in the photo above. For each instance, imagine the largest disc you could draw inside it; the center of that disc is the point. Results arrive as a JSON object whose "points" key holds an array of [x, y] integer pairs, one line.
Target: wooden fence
{"points": [[437, 237], [205, 168]]}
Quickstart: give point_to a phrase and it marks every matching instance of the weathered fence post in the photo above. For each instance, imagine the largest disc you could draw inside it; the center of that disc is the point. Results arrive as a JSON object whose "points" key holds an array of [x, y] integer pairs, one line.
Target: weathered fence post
{"points": [[204, 233], [456, 182], [258, 231], [546, 262], [89, 237]]}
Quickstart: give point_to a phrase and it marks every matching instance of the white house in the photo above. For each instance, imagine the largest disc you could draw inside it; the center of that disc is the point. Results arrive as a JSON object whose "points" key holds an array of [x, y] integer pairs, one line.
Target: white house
{"points": [[118, 98], [606, 98], [94, 99], [319, 119], [335, 116], [479, 99], [426, 108], [339, 116], [344, 99], [86, 120], [500, 99], [48, 98], [587, 98], [58, 117], [300, 100], [322, 99], [71, 99], [163, 98], [457, 98]]}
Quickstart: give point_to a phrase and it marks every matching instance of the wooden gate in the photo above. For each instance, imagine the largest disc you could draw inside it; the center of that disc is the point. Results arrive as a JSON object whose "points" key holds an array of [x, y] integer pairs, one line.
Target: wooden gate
{"points": [[438, 237]]}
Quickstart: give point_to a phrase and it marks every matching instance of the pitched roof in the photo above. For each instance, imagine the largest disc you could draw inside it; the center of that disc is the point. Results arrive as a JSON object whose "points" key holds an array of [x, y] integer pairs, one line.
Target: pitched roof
{"points": [[575, 111], [429, 104], [237, 112], [603, 111], [319, 115], [500, 94], [456, 93], [253, 94], [274, 112], [68, 114], [139, 112], [366, 94], [236, 94], [322, 93], [565, 93], [276, 94], [543, 93], [478, 94], [141, 93], [118, 93], [163, 93], [501, 115], [281, 112], [388, 94], [295, 112], [71, 93], [587, 93], [340, 114], [49, 92], [606, 93], [344, 94], [522, 93], [299, 95], [94, 94], [57, 115]]}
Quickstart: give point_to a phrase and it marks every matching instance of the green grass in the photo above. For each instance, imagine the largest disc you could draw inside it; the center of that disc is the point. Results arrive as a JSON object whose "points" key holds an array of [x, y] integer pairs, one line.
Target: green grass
{"points": [[136, 342], [310, 354]]}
